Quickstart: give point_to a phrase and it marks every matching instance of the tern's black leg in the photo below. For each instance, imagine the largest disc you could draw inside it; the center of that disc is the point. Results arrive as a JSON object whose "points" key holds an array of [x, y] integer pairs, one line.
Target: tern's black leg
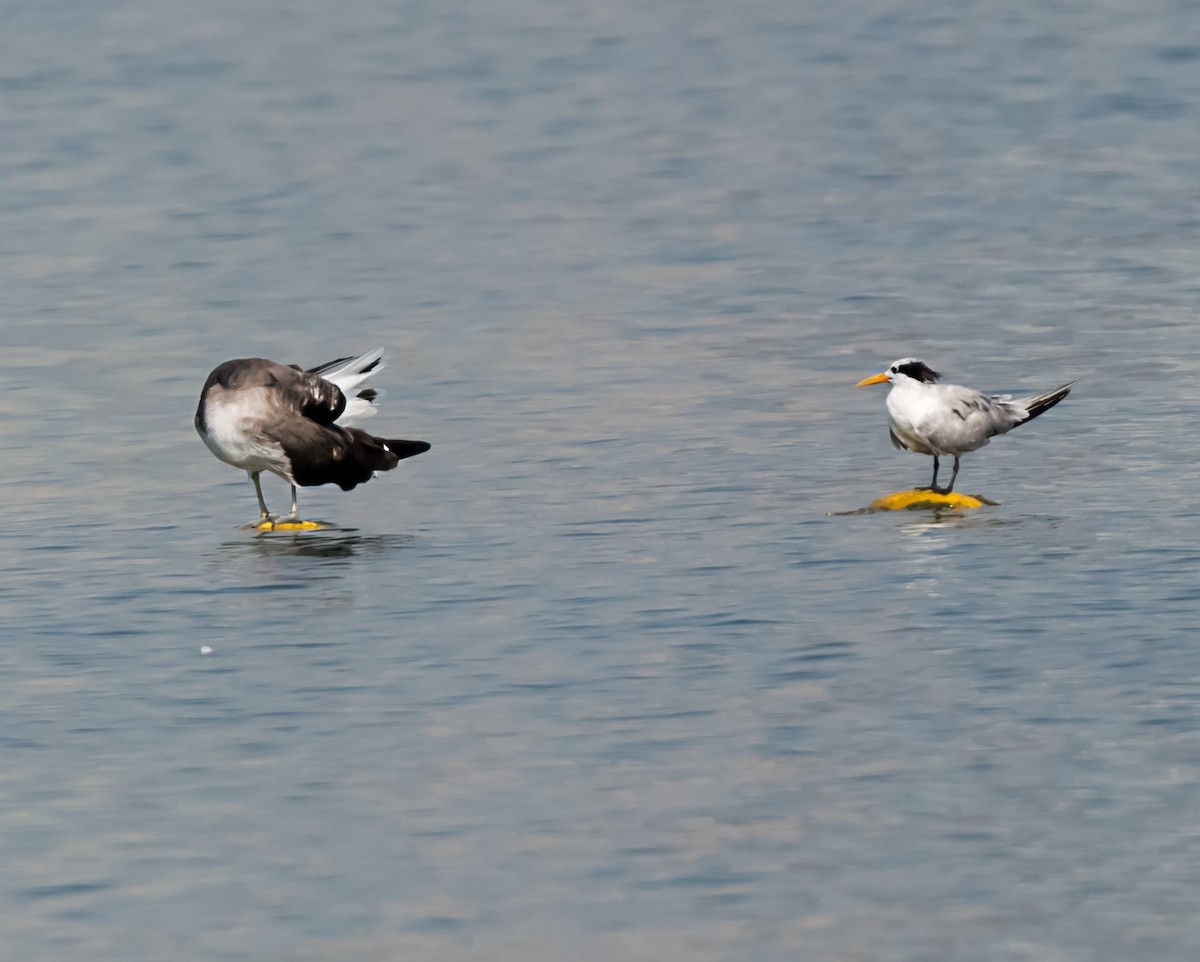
{"points": [[950, 487], [953, 476], [932, 485]]}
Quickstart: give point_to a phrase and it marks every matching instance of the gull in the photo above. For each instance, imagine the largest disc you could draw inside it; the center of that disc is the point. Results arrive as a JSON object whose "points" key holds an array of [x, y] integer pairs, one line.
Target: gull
{"points": [[948, 419], [262, 416]]}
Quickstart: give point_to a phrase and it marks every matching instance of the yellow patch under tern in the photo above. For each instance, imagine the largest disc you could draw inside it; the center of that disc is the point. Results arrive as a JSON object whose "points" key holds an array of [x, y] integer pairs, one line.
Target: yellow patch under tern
{"points": [[291, 526], [917, 499]]}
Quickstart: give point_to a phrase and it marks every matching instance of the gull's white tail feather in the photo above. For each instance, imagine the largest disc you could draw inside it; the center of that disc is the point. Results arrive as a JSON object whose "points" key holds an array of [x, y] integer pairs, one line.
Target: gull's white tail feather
{"points": [[359, 406], [348, 374]]}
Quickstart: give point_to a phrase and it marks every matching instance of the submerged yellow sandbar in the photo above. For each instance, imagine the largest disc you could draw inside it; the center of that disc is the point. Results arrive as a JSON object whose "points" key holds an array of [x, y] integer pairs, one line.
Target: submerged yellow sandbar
{"points": [[917, 499]]}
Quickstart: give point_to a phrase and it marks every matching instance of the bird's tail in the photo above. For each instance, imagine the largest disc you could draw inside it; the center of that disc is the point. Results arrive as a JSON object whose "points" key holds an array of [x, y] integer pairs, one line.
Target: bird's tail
{"points": [[406, 449], [348, 373], [366, 456], [1040, 403]]}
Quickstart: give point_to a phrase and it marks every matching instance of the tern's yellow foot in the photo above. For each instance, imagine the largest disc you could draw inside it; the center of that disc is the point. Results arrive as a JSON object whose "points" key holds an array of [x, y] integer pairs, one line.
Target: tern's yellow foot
{"points": [[924, 498]]}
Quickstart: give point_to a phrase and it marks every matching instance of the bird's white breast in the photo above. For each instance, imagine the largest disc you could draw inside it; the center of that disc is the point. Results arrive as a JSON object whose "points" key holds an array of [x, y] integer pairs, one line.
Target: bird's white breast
{"points": [[231, 420], [946, 419], [909, 410]]}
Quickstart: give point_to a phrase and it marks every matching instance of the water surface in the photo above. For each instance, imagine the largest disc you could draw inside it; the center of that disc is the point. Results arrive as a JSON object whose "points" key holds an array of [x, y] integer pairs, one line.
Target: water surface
{"points": [[601, 676]]}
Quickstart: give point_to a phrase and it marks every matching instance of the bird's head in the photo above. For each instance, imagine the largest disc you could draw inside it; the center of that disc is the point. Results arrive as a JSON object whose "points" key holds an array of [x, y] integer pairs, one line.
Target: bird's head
{"points": [[907, 368]]}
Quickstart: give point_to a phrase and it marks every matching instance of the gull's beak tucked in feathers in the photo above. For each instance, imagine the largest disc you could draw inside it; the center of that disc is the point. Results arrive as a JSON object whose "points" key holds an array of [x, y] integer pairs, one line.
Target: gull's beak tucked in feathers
{"points": [[944, 420]]}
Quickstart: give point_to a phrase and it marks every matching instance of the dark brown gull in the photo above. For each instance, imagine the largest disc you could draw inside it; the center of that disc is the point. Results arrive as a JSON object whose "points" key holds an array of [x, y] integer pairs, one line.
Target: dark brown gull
{"points": [[262, 416]]}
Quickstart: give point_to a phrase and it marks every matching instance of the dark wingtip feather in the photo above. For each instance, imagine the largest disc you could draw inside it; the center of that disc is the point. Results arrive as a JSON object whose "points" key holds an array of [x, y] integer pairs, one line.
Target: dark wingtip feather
{"points": [[321, 369], [406, 449], [327, 365], [1040, 403]]}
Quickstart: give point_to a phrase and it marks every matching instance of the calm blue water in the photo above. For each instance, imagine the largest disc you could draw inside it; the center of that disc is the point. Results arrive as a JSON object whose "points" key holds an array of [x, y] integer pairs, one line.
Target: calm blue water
{"points": [[601, 677]]}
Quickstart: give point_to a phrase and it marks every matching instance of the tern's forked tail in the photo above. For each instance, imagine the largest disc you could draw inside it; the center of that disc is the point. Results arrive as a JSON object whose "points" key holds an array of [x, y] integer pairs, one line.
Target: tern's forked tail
{"points": [[1040, 403]]}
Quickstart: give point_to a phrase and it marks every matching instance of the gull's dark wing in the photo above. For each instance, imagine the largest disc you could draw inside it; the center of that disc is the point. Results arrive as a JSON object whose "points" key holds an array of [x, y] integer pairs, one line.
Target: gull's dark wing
{"points": [[311, 395]]}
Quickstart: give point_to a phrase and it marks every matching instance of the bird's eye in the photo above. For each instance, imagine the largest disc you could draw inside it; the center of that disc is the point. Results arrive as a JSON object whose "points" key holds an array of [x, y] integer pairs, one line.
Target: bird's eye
{"points": [[895, 370]]}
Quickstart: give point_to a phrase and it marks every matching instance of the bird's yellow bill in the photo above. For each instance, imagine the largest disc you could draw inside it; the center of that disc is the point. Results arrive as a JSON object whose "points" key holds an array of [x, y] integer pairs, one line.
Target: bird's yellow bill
{"points": [[873, 379]]}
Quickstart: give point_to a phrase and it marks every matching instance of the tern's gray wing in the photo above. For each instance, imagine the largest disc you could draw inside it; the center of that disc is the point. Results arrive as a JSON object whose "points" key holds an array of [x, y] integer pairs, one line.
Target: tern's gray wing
{"points": [[954, 419], [988, 415]]}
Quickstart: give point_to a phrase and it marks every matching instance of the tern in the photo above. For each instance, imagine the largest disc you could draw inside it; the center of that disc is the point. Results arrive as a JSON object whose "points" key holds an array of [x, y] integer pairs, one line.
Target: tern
{"points": [[262, 416], [948, 419]]}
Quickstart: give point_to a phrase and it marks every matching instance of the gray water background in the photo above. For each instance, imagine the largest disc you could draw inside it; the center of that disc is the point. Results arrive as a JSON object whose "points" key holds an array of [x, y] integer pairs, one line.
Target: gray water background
{"points": [[600, 677]]}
